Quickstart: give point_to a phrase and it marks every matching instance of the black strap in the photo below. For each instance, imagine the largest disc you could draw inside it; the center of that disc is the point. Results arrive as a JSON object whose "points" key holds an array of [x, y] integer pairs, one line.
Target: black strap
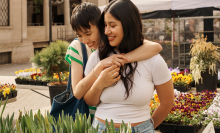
{"points": [[85, 58]]}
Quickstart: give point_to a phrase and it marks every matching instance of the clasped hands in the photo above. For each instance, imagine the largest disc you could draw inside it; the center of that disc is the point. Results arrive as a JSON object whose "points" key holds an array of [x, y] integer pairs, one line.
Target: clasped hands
{"points": [[110, 68]]}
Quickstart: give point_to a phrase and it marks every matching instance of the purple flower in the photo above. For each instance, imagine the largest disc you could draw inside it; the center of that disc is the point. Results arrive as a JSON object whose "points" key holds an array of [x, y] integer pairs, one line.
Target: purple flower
{"points": [[185, 70], [170, 69]]}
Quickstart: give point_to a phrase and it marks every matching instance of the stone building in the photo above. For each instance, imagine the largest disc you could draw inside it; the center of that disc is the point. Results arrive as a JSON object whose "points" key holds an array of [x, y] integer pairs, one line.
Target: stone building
{"points": [[24, 26]]}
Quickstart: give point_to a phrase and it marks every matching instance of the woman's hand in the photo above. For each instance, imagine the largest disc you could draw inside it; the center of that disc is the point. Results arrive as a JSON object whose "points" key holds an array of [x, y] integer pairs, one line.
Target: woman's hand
{"points": [[116, 59], [108, 76]]}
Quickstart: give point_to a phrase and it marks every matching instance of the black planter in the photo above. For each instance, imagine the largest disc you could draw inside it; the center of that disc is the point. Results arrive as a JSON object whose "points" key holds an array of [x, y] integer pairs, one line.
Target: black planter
{"points": [[18, 81], [217, 129], [218, 85], [55, 90], [7, 95], [39, 83], [44, 83], [32, 82], [186, 129], [181, 88], [25, 82], [209, 82], [167, 128], [193, 84], [14, 94]]}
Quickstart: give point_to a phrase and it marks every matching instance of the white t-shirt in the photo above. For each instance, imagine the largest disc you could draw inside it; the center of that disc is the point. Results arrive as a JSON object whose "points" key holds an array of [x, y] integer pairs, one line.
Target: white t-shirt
{"points": [[135, 108]]}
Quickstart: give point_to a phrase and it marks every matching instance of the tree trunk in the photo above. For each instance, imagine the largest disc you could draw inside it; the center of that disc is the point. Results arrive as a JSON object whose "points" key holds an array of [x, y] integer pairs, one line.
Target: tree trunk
{"points": [[59, 78]]}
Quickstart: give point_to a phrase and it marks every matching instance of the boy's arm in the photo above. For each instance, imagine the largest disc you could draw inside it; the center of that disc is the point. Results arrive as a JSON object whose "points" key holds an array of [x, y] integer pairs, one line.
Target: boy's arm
{"points": [[146, 51]]}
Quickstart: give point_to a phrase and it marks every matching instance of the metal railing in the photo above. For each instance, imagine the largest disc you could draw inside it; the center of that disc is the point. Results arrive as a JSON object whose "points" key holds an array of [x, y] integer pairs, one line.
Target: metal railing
{"points": [[4, 12], [65, 35], [184, 57]]}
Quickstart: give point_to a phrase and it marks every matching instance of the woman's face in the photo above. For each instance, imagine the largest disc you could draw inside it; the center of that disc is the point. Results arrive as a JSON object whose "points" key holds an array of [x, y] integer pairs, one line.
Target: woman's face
{"points": [[113, 29], [90, 37]]}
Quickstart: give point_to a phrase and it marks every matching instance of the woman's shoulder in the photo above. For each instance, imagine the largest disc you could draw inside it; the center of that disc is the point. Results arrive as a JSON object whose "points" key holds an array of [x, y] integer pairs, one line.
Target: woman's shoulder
{"points": [[150, 62]]}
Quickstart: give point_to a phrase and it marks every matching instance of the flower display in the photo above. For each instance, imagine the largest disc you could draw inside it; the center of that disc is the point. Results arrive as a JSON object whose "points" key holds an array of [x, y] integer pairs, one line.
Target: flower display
{"points": [[7, 88], [181, 78], [26, 74], [187, 108], [213, 113]]}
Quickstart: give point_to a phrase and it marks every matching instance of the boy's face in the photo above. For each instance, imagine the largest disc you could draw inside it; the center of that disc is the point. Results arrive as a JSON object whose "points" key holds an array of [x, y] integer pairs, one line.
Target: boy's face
{"points": [[90, 37]]}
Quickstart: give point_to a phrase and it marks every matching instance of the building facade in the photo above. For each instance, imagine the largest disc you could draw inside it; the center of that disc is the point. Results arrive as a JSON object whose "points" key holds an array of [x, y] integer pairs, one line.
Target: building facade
{"points": [[24, 26]]}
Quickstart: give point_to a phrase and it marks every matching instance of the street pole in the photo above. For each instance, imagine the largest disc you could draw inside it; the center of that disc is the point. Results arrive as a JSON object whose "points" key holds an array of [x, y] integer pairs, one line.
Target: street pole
{"points": [[50, 21]]}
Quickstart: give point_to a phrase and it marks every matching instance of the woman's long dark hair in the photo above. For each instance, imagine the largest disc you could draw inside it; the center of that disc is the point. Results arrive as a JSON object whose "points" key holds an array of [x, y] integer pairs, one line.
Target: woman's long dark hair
{"points": [[127, 13]]}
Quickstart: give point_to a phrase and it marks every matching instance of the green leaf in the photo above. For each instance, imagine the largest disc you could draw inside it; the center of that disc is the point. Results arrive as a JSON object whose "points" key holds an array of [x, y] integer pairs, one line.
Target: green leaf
{"points": [[4, 106]]}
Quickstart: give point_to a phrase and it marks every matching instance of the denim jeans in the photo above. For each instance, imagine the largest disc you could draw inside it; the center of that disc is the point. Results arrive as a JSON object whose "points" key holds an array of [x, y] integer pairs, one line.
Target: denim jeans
{"points": [[145, 127]]}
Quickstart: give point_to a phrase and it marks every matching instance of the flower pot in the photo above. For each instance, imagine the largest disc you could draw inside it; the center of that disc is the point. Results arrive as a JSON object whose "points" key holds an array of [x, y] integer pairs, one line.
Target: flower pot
{"points": [[7, 95], [181, 88], [44, 83], [218, 85], [217, 129], [55, 90], [14, 94], [25, 82], [39, 83], [18, 81], [167, 127], [193, 84], [32, 82], [186, 129], [209, 82]]}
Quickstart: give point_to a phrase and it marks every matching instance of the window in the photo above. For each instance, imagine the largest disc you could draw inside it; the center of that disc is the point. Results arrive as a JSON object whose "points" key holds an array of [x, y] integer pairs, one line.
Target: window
{"points": [[4, 12]]}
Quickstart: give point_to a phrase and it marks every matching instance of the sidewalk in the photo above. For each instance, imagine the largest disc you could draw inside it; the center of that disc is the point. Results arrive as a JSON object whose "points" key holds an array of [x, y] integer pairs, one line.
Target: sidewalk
{"points": [[26, 98]]}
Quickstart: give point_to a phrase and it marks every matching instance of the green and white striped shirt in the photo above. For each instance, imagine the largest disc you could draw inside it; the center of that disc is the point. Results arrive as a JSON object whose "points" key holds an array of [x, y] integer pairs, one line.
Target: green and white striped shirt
{"points": [[74, 52]]}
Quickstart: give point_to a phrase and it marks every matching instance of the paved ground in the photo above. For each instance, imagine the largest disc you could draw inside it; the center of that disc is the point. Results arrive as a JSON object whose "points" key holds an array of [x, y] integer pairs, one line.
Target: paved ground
{"points": [[28, 99]]}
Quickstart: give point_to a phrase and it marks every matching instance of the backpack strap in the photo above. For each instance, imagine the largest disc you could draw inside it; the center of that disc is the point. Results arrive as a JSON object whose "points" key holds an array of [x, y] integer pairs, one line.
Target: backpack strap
{"points": [[85, 58]]}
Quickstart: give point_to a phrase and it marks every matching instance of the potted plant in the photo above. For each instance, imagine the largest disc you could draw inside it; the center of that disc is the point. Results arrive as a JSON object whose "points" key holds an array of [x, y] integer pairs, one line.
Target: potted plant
{"points": [[38, 79], [203, 63], [18, 77], [13, 91], [52, 60], [45, 79], [6, 92], [181, 82]]}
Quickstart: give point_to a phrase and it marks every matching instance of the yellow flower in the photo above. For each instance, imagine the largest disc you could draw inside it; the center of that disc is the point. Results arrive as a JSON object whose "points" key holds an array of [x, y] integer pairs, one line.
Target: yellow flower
{"points": [[16, 72], [26, 70], [6, 91], [38, 70]]}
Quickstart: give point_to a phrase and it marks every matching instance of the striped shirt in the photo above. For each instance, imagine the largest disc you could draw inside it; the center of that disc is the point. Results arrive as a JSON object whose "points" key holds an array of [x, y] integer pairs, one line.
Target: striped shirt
{"points": [[74, 52]]}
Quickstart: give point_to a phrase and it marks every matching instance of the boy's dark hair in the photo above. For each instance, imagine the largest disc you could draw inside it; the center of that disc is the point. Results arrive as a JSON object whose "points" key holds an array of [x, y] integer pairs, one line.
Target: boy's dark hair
{"points": [[85, 14]]}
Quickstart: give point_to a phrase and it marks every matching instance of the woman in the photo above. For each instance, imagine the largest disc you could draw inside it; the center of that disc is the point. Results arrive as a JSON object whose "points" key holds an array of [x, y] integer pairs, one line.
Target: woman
{"points": [[85, 21], [129, 98]]}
